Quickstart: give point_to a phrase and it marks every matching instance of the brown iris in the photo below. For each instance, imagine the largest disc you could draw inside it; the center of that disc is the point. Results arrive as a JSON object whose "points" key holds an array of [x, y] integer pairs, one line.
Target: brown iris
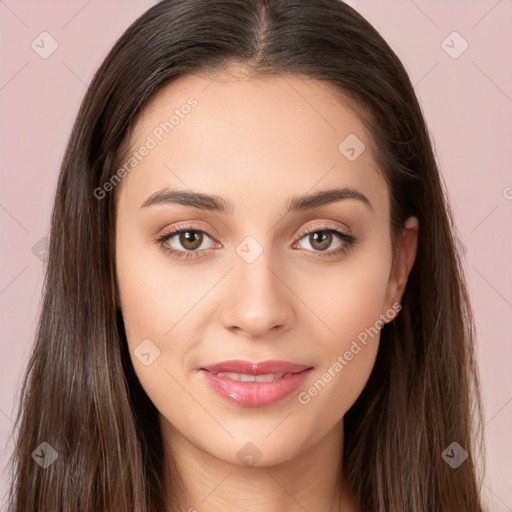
{"points": [[191, 240], [322, 238]]}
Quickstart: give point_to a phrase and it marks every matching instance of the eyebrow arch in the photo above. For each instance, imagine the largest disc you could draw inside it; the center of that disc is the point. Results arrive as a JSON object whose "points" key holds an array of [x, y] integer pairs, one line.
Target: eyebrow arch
{"points": [[325, 197], [219, 204]]}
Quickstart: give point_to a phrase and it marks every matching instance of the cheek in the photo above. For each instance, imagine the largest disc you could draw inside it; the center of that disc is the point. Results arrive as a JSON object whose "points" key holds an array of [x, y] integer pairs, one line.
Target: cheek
{"points": [[154, 302], [154, 295], [167, 303], [349, 296], [350, 305]]}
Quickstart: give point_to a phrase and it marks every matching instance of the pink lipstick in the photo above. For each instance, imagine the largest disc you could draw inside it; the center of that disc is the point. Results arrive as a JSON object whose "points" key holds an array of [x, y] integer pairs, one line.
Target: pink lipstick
{"points": [[255, 384]]}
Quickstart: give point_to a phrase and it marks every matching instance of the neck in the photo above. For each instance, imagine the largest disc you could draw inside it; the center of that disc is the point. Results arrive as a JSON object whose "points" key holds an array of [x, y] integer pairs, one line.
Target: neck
{"points": [[312, 480]]}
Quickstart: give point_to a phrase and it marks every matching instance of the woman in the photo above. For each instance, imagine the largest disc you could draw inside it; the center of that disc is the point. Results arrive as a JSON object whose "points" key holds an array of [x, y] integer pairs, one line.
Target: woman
{"points": [[253, 298]]}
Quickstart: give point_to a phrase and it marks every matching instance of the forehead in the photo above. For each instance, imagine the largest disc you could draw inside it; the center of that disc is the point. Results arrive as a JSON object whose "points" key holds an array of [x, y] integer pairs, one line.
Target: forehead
{"points": [[229, 134]]}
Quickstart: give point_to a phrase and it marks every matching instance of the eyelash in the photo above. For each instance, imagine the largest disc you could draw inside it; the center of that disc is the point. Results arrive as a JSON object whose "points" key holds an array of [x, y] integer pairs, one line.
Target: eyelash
{"points": [[347, 239]]}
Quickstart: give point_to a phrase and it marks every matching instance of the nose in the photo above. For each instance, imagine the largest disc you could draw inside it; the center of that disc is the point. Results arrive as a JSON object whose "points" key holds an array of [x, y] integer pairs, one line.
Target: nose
{"points": [[258, 301]]}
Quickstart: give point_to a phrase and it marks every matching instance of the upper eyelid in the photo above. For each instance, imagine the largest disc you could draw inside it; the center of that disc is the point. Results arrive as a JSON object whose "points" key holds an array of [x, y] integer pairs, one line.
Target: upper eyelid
{"points": [[324, 225], [184, 227]]}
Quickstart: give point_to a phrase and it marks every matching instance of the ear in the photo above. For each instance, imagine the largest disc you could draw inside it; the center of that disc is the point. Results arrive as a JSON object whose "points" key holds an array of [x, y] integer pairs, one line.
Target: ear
{"points": [[405, 256]]}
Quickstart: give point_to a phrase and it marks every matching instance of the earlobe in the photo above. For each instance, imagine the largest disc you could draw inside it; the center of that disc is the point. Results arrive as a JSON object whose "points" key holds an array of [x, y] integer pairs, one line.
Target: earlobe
{"points": [[403, 261]]}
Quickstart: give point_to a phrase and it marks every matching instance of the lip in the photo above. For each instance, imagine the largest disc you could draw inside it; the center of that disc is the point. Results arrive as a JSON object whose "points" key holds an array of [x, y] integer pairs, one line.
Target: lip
{"points": [[255, 394], [250, 368]]}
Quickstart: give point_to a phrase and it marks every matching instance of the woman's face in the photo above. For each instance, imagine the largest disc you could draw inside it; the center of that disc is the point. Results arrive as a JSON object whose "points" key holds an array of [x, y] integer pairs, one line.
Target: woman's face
{"points": [[259, 272]]}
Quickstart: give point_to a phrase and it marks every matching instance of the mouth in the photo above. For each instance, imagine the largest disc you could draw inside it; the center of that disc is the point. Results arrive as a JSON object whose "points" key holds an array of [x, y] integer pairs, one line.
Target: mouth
{"points": [[255, 384], [243, 367], [244, 377]]}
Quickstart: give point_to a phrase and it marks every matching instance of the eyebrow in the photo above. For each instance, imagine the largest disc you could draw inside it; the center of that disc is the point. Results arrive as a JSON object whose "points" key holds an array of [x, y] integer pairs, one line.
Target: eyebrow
{"points": [[216, 203]]}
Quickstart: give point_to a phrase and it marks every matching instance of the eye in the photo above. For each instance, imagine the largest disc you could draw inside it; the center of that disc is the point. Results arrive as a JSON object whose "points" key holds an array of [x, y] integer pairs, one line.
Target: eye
{"points": [[321, 238], [184, 241]]}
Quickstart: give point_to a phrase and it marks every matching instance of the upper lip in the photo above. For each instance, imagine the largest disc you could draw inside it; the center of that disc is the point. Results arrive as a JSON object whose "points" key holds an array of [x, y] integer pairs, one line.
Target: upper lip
{"points": [[261, 368]]}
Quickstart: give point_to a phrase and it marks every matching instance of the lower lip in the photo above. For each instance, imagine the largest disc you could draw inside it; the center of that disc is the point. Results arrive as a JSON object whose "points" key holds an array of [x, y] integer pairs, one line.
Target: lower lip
{"points": [[255, 394]]}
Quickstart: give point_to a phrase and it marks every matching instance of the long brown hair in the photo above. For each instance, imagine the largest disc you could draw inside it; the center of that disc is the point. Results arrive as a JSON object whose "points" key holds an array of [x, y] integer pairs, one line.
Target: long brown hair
{"points": [[80, 393]]}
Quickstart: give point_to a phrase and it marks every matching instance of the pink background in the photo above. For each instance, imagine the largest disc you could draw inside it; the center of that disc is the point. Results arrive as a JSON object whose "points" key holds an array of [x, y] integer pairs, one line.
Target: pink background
{"points": [[467, 102]]}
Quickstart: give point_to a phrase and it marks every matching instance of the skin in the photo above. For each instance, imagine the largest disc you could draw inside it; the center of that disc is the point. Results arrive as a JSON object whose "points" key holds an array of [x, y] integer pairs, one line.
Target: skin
{"points": [[255, 142]]}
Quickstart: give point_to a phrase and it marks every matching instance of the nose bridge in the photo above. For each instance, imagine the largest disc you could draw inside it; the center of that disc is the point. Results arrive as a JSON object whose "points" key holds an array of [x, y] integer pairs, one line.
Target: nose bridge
{"points": [[257, 299]]}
